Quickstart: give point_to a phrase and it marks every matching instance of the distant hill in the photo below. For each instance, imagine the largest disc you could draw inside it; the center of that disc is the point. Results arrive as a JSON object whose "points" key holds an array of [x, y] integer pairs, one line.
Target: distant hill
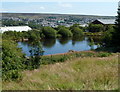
{"points": [[42, 15]]}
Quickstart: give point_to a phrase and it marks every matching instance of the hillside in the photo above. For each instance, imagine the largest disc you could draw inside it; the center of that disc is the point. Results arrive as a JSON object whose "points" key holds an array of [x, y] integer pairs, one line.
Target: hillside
{"points": [[41, 15], [87, 73]]}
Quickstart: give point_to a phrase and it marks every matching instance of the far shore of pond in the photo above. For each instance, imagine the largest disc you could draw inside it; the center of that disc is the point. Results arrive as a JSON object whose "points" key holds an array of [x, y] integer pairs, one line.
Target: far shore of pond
{"points": [[69, 52]]}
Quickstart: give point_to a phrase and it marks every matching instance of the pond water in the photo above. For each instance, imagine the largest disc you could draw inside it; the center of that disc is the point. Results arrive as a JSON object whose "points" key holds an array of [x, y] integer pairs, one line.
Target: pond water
{"points": [[63, 45]]}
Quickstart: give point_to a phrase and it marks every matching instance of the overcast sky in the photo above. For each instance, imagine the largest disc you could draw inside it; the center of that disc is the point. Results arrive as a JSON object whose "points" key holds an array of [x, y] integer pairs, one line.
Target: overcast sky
{"points": [[61, 7]]}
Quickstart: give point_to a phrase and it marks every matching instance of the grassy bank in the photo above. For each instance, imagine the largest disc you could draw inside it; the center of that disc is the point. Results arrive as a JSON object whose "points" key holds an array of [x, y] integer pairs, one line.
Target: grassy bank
{"points": [[88, 71], [51, 59]]}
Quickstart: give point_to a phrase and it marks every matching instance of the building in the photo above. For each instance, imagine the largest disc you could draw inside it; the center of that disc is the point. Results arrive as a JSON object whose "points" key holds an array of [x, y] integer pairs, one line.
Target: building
{"points": [[83, 25], [104, 21], [15, 28]]}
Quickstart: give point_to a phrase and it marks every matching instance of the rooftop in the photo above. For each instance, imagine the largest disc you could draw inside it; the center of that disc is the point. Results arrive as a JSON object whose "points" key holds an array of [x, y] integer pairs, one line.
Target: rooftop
{"points": [[106, 21], [15, 28]]}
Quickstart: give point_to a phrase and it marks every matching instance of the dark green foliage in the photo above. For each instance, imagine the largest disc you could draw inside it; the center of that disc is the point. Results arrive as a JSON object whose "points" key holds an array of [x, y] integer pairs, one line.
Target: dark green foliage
{"points": [[33, 35], [104, 54], [77, 31], [19, 36], [12, 23], [12, 61], [64, 32], [53, 59], [49, 32], [14, 75], [13, 35], [34, 25], [34, 60], [64, 40], [95, 28], [74, 26], [116, 34], [48, 43], [108, 36], [112, 36]]}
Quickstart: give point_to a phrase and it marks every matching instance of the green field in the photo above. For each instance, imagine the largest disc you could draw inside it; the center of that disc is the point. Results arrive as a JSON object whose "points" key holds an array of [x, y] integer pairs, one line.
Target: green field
{"points": [[79, 73]]}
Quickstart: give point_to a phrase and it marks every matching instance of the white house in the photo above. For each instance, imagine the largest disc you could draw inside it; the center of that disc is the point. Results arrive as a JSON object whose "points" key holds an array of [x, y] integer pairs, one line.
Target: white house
{"points": [[15, 28], [83, 25]]}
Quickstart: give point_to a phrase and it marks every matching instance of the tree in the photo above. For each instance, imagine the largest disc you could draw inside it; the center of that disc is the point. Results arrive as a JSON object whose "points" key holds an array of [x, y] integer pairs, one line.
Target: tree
{"points": [[34, 25], [12, 61], [33, 35], [96, 28], [116, 33], [35, 56], [112, 36], [49, 32], [64, 32], [77, 31], [108, 36]]}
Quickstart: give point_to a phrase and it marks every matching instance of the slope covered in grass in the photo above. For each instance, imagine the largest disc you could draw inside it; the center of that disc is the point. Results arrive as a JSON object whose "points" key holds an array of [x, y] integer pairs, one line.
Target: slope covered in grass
{"points": [[96, 73]]}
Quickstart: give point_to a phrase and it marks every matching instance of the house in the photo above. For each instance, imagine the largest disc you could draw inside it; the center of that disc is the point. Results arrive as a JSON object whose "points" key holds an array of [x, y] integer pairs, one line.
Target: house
{"points": [[104, 21], [83, 25], [15, 28]]}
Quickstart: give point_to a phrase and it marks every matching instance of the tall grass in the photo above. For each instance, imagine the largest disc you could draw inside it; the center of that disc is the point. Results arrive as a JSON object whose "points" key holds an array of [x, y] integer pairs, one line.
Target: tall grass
{"points": [[51, 59], [87, 73]]}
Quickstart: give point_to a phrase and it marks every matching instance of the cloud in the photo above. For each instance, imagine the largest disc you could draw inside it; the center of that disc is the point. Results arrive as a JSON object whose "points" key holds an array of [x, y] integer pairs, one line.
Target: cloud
{"points": [[42, 8], [65, 5]]}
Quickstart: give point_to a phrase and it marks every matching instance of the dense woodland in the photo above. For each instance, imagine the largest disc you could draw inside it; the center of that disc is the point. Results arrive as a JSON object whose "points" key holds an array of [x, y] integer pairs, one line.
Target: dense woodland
{"points": [[14, 61]]}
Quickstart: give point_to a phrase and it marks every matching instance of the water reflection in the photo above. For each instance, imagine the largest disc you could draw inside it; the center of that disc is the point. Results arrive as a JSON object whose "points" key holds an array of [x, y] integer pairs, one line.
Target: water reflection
{"points": [[97, 39], [64, 41], [48, 43], [61, 45], [77, 39]]}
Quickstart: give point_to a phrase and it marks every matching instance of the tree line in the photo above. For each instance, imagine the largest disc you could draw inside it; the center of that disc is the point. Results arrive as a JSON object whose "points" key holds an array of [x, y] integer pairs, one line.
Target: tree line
{"points": [[45, 32]]}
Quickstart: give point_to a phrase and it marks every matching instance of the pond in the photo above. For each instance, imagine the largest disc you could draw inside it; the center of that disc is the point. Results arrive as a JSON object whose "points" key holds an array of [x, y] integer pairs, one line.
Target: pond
{"points": [[63, 45]]}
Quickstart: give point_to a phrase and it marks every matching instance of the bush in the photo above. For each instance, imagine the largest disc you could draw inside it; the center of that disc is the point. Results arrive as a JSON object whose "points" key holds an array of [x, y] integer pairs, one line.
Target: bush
{"points": [[95, 28], [33, 35], [49, 32], [35, 56], [64, 32], [14, 75], [107, 37], [103, 54], [77, 31], [53, 59], [12, 61]]}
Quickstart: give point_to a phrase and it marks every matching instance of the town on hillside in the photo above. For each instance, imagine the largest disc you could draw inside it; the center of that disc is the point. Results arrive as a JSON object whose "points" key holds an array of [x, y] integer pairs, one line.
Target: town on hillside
{"points": [[24, 20]]}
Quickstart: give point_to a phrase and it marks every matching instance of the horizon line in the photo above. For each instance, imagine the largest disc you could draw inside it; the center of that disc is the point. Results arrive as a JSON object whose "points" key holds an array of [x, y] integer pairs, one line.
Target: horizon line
{"points": [[58, 13]]}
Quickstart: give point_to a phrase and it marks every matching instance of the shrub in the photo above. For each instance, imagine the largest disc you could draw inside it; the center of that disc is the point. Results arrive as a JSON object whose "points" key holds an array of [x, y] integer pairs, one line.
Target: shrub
{"points": [[12, 61], [35, 56], [49, 32], [77, 31], [95, 28], [107, 37], [64, 32], [53, 59], [103, 54]]}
